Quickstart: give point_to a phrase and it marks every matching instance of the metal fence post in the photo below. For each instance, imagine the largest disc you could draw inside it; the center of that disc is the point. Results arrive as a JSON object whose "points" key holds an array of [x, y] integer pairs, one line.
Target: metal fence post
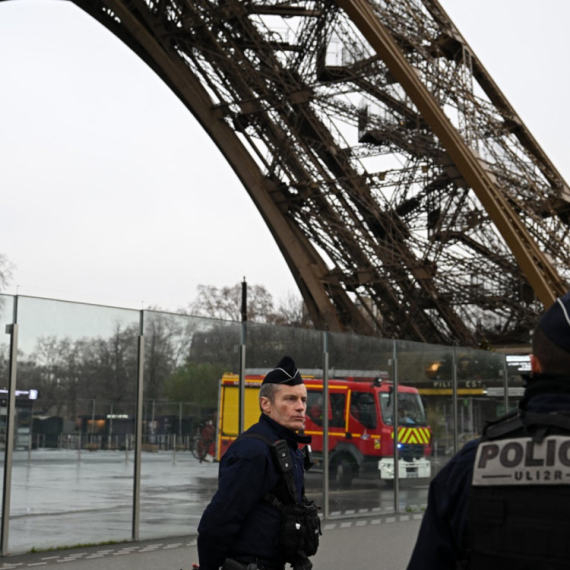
{"points": [[138, 433], [506, 383], [241, 414], [326, 512], [12, 330], [241, 411], [396, 426], [454, 400]]}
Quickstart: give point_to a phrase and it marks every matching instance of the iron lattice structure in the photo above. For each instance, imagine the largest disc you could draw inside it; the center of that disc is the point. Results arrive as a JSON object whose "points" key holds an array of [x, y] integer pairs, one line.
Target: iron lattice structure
{"points": [[406, 195]]}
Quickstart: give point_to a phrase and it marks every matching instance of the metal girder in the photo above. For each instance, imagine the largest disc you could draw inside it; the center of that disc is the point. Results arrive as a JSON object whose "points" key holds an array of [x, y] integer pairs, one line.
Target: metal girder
{"points": [[539, 271], [307, 267], [405, 194]]}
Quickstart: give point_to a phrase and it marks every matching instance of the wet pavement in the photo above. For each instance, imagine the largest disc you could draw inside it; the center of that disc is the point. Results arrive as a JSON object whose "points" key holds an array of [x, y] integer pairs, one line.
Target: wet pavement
{"points": [[382, 543], [63, 498]]}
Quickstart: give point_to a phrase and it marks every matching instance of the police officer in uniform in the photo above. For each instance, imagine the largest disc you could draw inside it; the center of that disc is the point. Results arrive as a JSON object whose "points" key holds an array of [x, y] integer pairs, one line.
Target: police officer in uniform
{"points": [[241, 527], [503, 502]]}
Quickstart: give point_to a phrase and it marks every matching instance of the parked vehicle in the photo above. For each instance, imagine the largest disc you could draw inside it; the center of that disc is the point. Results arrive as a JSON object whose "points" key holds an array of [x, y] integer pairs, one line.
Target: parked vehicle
{"points": [[361, 432]]}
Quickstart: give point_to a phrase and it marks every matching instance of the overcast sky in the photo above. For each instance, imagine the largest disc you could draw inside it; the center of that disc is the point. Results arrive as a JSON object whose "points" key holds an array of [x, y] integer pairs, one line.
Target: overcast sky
{"points": [[112, 194]]}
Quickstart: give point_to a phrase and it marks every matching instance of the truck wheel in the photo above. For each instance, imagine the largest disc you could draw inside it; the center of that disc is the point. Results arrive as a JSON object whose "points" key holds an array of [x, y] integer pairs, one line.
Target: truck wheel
{"points": [[342, 472]]}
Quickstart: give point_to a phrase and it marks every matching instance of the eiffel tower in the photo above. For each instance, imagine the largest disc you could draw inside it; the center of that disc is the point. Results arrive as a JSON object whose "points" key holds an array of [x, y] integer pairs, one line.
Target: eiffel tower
{"points": [[406, 195]]}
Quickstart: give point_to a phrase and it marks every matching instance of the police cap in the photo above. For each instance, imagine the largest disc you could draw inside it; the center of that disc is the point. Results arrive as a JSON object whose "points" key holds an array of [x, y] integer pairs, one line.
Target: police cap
{"points": [[284, 373], [555, 323]]}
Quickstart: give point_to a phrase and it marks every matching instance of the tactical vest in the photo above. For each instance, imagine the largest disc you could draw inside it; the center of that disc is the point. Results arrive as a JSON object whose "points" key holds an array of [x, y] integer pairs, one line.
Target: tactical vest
{"points": [[300, 522], [519, 504]]}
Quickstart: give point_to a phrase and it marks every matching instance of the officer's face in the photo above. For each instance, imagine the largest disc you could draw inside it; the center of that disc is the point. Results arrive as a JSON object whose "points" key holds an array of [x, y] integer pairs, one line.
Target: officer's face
{"points": [[288, 406]]}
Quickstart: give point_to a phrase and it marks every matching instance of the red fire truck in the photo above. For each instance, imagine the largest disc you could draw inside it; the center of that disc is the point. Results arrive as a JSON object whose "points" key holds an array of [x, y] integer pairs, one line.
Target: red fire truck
{"points": [[361, 432]]}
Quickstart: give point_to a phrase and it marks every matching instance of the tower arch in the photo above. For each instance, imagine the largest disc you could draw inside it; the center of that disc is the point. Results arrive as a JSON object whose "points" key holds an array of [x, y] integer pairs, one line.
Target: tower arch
{"points": [[404, 192]]}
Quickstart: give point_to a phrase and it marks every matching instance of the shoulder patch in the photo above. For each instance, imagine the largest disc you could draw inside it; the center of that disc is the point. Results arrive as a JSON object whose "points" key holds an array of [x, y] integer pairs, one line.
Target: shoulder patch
{"points": [[522, 461]]}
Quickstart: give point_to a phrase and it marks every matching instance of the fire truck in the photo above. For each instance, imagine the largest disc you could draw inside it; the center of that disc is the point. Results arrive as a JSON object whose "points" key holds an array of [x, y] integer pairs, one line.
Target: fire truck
{"points": [[361, 432]]}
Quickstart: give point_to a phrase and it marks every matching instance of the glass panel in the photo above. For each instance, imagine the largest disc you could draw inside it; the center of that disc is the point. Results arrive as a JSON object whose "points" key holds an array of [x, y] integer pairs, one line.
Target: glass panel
{"points": [[73, 445], [6, 318], [481, 390], [428, 369], [72, 478], [185, 360], [266, 345], [359, 436], [515, 366]]}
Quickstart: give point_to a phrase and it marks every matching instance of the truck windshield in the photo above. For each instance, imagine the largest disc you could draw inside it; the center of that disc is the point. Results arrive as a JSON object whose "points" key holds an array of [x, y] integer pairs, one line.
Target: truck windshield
{"points": [[410, 409]]}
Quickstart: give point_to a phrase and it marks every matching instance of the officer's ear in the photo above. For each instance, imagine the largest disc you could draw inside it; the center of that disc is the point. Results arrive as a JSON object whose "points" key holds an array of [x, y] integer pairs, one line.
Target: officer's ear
{"points": [[265, 404], [535, 364]]}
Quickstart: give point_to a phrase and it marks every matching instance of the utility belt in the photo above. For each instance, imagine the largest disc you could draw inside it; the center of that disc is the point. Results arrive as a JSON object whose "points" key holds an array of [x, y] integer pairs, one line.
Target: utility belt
{"points": [[231, 564]]}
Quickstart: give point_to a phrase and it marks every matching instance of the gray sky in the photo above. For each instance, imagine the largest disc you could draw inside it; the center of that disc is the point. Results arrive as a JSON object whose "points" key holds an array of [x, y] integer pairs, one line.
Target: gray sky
{"points": [[111, 192]]}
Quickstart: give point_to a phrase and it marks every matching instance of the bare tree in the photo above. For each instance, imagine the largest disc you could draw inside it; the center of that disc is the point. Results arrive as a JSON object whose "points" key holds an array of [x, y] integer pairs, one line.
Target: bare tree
{"points": [[225, 303], [293, 312], [6, 270]]}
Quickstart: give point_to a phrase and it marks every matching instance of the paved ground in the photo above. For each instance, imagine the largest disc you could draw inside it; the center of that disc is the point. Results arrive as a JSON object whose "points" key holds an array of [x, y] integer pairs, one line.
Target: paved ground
{"points": [[381, 543], [61, 498]]}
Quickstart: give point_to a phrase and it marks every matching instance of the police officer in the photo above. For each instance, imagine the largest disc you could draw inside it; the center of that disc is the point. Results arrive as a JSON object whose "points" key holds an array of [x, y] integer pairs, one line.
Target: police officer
{"points": [[504, 501], [241, 528]]}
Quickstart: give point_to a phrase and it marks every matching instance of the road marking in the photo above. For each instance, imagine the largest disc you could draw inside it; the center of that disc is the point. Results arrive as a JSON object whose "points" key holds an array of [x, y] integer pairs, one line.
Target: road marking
{"points": [[361, 523], [37, 564], [376, 521], [345, 525], [391, 519], [172, 545]]}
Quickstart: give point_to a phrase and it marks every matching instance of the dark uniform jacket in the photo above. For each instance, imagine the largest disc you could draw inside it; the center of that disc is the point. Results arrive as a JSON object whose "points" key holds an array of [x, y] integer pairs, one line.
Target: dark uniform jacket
{"points": [[238, 523], [443, 538]]}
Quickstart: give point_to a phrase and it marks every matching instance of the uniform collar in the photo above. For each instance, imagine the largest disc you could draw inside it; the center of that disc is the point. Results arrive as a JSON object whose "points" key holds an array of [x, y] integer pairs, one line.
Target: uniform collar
{"points": [[292, 438], [538, 386]]}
